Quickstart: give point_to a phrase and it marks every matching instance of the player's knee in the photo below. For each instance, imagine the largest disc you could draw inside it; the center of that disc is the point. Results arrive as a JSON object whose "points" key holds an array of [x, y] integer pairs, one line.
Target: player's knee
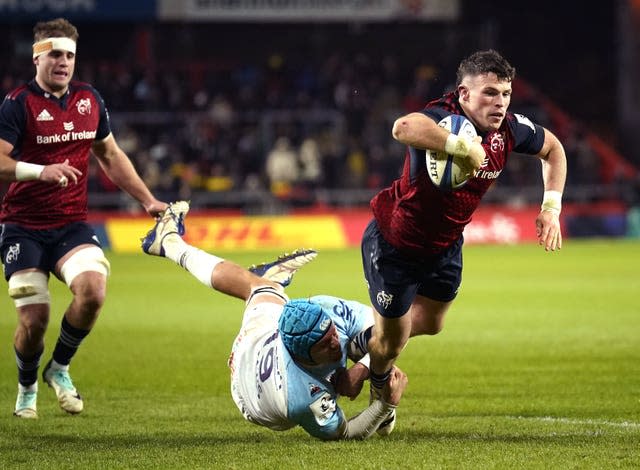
{"points": [[86, 260], [29, 288], [89, 292]]}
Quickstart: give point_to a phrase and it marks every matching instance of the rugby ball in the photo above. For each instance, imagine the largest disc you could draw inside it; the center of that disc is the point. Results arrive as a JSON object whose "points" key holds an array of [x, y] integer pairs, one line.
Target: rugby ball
{"points": [[445, 171]]}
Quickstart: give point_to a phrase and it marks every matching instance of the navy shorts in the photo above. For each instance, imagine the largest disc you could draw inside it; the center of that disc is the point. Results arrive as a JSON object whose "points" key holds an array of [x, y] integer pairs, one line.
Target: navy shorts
{"points": [[23, 248], [394, 279]]}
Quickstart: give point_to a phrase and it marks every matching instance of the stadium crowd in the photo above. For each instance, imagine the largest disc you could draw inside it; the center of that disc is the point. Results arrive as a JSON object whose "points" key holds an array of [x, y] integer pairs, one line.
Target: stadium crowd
{"points": [[284, 122]]}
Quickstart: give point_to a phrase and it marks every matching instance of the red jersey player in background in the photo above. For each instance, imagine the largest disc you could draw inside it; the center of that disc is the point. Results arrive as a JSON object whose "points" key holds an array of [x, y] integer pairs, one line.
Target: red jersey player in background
{"points": [[412, 249], [48, 128]]}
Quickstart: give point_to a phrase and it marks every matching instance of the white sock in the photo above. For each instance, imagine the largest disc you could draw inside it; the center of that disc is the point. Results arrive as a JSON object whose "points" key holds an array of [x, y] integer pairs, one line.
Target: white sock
{"points": [[55, 365], [199, 263], [173, 246], [28, 388]]}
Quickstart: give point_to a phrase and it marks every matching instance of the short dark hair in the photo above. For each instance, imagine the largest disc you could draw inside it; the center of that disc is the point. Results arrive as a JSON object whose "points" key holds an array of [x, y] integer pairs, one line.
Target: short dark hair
{"points": [[483, 62], [58, 28]]}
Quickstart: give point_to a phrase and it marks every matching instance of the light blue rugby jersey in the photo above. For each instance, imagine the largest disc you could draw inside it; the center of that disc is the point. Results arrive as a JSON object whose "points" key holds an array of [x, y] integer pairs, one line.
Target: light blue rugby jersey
{"points": [[311, 398]]}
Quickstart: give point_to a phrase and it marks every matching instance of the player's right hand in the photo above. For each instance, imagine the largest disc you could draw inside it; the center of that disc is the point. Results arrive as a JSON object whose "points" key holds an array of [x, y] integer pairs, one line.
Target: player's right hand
{"points": [[395, 386], [548, 230], [60, 173], [349, 382], [476, 155]]}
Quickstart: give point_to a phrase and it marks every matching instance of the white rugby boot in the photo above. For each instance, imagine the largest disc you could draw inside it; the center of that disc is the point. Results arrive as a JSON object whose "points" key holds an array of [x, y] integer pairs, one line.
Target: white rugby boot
{"points": [[68, 397], [171, 221], [283, 269]]}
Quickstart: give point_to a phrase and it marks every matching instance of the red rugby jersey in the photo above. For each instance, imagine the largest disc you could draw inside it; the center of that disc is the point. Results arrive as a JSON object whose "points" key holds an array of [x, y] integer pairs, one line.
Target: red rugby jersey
{"points": [[44, 129], [420, 219]]}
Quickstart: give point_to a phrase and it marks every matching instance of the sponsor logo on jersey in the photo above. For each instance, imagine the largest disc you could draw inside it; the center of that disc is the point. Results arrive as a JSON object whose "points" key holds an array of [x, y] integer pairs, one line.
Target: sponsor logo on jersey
{"points": [[323, 408], [68, 126], [84, 106], [44, 116], [487, 175], [66, 137], [325, 324]]}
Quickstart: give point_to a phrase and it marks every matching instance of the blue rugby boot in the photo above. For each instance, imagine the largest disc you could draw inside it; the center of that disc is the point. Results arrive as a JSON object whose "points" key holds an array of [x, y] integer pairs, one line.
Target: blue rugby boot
{"points": [[283, 269], [171, 221]]}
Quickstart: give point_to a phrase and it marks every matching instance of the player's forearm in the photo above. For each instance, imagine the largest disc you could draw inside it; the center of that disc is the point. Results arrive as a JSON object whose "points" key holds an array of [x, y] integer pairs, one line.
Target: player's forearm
{"points": [[554, 171], [365, 424], [554, 163], [419, 131], [120, 170], [7, 164], [7, 168]]}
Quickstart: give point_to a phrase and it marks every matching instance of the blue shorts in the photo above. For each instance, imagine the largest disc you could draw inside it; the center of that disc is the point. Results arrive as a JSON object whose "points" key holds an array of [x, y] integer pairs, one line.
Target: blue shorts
{"points": [[394, 279], [23, 248]]}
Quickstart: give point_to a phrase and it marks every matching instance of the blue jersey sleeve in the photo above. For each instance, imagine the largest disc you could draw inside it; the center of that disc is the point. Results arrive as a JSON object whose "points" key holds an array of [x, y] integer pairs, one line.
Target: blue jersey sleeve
{"points": [[323, 418], [104, 125], [312, 401], [529, 137]]}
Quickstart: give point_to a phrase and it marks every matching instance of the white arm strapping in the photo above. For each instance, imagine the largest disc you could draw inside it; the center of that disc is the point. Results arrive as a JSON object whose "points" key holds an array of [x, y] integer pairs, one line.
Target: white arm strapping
{"points": [[28, 171], [552, 201], [366, 361], [366, 423], [457, 145]]}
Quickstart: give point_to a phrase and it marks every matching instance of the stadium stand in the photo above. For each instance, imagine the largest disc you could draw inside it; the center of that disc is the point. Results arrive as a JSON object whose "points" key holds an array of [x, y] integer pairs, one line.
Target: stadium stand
{"points": [[203, 123]]}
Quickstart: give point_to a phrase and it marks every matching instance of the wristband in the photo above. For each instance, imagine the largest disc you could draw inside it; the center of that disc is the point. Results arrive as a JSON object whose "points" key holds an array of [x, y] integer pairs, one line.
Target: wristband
{"points": [[366, 361], [28, 171], [552, 202], [457, 146]]}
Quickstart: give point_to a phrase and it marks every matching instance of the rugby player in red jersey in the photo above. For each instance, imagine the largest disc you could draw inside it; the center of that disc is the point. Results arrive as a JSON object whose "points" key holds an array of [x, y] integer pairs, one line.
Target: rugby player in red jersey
{"points": [[411, 250], [48, 128]]}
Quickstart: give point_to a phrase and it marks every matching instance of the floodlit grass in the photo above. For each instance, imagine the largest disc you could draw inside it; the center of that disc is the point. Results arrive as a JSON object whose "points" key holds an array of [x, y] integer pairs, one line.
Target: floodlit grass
{"points": [[537, 367]]}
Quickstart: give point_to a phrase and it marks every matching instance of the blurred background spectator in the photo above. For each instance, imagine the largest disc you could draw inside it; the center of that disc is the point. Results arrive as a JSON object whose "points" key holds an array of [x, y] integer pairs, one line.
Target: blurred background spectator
{"points": [[266, 116]]}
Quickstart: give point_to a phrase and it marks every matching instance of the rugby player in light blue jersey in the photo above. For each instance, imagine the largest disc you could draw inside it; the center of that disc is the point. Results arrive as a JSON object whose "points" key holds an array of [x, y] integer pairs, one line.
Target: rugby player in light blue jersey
{"points": [[288, 362]]}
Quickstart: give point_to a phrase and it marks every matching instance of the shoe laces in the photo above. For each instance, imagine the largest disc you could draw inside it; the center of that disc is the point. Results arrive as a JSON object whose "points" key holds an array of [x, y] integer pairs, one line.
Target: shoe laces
{"points": [[176, 217], [63, 379]]}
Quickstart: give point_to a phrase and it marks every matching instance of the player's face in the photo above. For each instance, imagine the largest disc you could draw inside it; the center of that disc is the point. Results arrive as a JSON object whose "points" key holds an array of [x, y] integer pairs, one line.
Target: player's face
{"points": [[54, 70], [485, 100], [328, 349]]}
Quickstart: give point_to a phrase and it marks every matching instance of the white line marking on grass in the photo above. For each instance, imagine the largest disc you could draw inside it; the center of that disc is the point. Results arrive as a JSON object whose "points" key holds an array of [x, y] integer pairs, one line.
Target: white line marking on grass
{"points": [[581, 422]]}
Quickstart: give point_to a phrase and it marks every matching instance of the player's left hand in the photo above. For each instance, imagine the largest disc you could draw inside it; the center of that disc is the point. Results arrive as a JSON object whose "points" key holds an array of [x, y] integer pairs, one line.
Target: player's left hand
{"points": [[155, 208], [548, 230], [349, 382]]}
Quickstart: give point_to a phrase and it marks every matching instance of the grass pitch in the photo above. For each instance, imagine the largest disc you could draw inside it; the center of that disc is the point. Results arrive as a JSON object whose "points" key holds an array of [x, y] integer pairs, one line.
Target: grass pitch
{"points": [[538, 367]]}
